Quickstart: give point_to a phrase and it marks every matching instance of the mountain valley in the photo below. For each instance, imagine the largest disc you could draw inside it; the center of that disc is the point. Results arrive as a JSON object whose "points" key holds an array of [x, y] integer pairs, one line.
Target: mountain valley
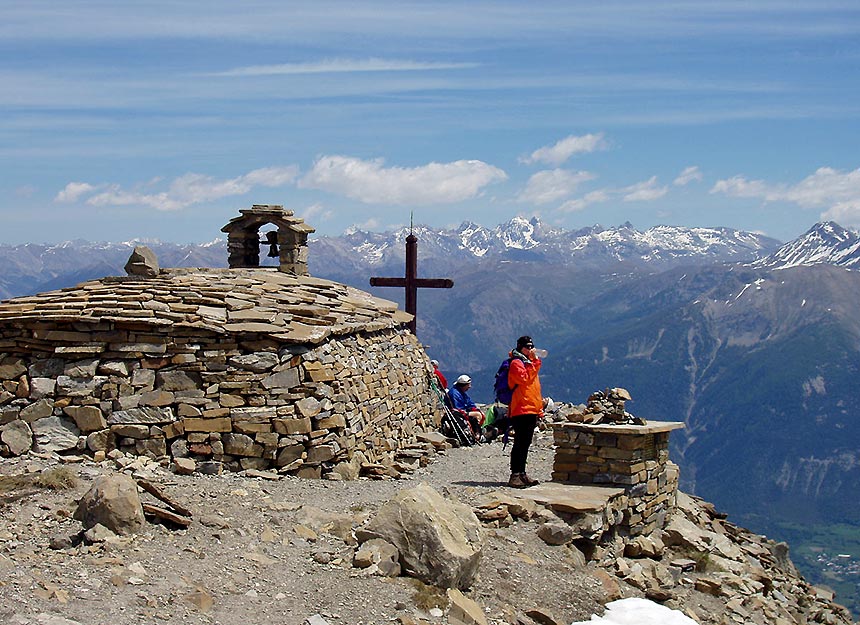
{"points": [[753, 344]]}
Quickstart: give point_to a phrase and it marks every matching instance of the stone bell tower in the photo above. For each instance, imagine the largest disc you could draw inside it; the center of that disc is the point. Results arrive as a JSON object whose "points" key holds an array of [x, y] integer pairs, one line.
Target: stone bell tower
{"points": [[289, 242]]}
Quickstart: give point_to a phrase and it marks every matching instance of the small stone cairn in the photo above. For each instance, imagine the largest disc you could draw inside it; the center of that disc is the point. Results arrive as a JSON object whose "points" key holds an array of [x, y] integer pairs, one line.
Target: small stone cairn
{"points": [[606, 407]]}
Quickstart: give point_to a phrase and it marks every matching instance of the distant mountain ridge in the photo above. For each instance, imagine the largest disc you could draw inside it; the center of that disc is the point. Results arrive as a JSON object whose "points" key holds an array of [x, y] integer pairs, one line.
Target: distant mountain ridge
{"points": [[528, 239], [825, 243], [353, 256], [30, 268]]}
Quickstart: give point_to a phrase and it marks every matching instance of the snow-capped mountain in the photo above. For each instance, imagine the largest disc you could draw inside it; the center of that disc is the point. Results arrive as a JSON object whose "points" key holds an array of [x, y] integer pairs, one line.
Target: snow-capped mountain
{"points": [[825, 243], [356, 254], [33, 267], [529, 239]]}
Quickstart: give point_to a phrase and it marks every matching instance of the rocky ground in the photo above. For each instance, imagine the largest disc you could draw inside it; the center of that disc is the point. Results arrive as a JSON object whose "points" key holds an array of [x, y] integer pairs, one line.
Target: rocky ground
{"points": [[263, 551]]}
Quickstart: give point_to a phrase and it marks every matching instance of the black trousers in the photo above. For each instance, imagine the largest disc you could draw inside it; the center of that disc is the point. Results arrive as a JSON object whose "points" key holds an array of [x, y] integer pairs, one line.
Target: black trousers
{"points": [[524, 429]]}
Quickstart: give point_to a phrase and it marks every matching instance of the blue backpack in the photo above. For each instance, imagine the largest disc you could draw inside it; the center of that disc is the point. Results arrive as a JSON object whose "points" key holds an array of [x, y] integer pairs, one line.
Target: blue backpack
{"points": [[504, 393]]}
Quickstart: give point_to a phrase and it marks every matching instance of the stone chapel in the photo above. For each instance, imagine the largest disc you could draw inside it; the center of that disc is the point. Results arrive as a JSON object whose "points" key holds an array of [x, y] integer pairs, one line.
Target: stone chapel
{"points": [[243, 368]]}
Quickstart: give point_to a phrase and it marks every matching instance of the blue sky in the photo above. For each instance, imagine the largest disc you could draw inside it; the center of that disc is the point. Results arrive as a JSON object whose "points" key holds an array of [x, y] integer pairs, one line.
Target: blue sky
{"points": [[162, 119]]}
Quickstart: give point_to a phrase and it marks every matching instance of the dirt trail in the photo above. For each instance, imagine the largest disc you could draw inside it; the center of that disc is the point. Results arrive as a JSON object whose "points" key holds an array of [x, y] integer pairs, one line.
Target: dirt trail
{"points": [[255, 553]]}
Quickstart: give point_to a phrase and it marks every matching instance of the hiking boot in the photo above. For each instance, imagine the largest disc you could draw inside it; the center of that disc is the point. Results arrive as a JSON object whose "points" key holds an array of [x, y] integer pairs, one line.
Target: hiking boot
{"points": [[517, 481], [529, 481]]}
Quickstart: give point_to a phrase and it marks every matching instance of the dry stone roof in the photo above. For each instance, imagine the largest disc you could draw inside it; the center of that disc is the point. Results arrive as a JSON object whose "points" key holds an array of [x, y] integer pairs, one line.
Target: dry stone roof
{"points": [[293, 309]]}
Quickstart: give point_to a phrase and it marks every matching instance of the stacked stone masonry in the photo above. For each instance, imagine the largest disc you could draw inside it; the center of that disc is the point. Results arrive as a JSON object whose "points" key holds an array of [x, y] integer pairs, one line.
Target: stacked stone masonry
{"points": [[635, 458], [235, 368], [243, 238]]}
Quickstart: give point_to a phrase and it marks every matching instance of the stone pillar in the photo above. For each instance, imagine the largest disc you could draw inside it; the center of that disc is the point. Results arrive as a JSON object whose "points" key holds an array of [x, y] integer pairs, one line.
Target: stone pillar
{"points": [[633, 457], [243, 248], [293, 248]]}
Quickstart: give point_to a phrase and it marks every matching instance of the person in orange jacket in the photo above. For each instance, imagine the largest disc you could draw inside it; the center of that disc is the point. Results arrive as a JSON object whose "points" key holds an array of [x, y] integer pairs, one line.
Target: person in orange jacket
{"points": [[525, 409]]}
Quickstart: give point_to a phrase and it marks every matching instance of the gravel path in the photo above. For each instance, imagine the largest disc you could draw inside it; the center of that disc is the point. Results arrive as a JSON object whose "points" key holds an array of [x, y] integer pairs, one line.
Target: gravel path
{"points": [[258, 552]]}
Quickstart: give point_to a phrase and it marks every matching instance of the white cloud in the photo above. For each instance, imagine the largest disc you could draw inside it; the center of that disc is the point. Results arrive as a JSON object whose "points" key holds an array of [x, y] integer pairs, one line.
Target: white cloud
{"points": [[315, 211], [562, 150], [738, 186], [330, 66], [116, 196], [270, 176], [645, 191], [553, 184], [459, 22], [73, 191], [836, 191], [827, 186], [578, 204], [184, 191], [372, 183], [367, 226], [690, 174], [845, 213]]}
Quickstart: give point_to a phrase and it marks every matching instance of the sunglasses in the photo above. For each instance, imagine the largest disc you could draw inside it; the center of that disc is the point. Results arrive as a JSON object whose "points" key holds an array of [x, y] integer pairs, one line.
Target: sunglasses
{"points": [[530, 346]]}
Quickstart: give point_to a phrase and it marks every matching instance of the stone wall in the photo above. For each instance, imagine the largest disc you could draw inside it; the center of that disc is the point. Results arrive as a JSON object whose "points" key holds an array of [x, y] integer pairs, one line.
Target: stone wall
{"points": [[233, 401], [635, 458]]}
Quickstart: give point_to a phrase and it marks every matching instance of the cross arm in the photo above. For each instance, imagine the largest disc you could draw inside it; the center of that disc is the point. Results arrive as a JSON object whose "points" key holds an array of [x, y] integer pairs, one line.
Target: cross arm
{"points": [[434, 283], [388, 282]]}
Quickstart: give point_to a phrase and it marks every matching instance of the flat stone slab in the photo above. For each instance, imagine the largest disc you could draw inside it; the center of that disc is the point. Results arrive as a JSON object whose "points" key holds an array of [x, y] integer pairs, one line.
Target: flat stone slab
{"points": [[262, 300], [652, 427], [572, 498]]}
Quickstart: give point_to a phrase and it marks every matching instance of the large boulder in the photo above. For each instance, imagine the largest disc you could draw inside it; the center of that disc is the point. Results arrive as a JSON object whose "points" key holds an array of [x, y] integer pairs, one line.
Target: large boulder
{"points": [[17, 436], [114, 502], [55, 434], [142, 262], [681, 532], [440, 541]]}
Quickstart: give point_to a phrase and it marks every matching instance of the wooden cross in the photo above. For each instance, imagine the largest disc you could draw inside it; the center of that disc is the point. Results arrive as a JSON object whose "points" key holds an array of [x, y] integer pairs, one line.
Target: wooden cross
{"points": [[412, 282]]}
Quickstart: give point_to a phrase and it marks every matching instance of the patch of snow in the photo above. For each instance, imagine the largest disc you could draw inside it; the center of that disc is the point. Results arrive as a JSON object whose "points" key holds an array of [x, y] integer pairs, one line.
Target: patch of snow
{"points": [[518, 233], [371, 252], [475, 239], [134, 242], [636, 611], [814, 385]]}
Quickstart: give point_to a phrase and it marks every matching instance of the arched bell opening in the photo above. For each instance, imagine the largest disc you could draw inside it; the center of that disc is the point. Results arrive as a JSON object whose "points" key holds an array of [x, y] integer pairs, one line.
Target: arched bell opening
{"points": [[274, 231], [270, 250]]}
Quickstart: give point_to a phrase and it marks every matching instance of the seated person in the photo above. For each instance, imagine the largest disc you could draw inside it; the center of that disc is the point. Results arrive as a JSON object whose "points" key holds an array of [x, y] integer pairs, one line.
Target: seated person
{"points": [[441, 378], [496, 422], [461, 402]]}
